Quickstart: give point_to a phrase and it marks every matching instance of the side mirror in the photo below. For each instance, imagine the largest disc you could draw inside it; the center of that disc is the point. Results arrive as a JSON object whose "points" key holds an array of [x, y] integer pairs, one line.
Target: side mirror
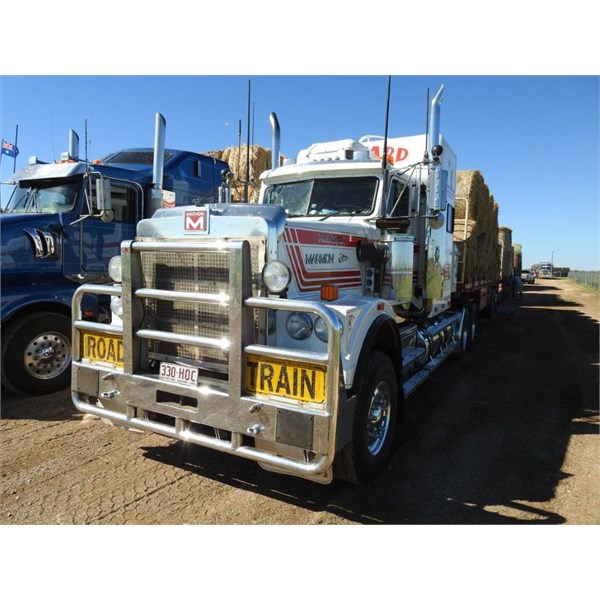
{"points": [[103, 199]]}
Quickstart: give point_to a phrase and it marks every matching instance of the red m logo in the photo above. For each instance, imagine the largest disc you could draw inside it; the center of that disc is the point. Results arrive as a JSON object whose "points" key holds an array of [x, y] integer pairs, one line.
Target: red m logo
{"points": [[195, 221]]}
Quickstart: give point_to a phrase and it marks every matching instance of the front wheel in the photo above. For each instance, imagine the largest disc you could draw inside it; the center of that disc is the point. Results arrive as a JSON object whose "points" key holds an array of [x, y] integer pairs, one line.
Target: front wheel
{"points": [[375, 417], [36, 354]]}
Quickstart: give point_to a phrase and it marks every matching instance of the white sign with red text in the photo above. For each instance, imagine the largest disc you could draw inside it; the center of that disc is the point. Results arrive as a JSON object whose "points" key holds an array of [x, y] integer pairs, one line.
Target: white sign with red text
{"points": [[401, 150], [196, 221]]}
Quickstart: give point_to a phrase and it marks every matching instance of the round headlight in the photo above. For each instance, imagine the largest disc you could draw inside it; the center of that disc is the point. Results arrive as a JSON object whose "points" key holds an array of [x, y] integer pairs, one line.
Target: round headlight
{"points": [[114, 268], [276, 276], [321, 329], [116, 306], [299, 325]]}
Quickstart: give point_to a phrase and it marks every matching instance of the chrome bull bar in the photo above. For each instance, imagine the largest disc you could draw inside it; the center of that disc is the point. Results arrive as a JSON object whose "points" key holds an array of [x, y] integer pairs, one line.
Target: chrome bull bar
{"points": [[135, 388]]}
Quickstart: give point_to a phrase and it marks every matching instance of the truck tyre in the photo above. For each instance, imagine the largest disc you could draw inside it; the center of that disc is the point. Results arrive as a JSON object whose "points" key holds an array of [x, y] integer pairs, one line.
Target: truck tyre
{"points": [[473, 324], [465, 341], [490, 310], [374, 425], [36, 354]]}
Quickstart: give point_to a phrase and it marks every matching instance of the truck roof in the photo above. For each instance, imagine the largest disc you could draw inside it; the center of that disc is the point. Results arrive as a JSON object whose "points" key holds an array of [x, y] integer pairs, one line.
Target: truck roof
{"points": [[138, 160], [142, 158]]}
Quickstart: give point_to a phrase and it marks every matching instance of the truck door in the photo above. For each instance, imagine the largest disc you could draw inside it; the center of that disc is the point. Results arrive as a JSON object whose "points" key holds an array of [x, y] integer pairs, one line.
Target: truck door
{"points": [[93, 242]]}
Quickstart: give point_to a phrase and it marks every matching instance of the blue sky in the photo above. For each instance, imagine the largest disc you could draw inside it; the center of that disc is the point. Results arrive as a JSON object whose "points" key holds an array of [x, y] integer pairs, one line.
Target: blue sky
{"points": [[534, 138]]}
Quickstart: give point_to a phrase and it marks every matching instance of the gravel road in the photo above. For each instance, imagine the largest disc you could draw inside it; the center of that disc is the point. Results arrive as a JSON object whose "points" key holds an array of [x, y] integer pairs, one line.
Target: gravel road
{"points": [[510, 435]]}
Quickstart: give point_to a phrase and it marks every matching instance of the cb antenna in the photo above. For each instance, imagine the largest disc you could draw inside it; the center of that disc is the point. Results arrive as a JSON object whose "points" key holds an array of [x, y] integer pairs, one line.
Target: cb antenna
{"points": [[385, 139], [426, 153], [247, 180], [387, 120]]}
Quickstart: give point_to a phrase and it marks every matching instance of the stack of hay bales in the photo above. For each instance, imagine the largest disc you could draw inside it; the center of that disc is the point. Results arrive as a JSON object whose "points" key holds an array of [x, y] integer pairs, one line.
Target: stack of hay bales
{"points": [[235, 157], [518, 258], [506, 255], [475, 228]]}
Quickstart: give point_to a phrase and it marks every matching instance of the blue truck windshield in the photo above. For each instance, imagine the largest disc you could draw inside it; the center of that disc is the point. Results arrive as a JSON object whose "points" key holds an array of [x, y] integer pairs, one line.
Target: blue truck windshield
{"points": [[320, 197], [44, 196]]}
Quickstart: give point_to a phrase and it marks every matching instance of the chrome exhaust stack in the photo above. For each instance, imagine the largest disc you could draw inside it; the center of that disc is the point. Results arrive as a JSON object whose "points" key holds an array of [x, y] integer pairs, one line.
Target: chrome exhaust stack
{"points": [[73, 145], [434, 122], [158, 166], [275, 144]]}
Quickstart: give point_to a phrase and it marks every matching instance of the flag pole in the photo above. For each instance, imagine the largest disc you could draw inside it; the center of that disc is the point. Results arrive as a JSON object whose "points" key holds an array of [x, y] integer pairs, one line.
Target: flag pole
{"points": [[15, 160]]}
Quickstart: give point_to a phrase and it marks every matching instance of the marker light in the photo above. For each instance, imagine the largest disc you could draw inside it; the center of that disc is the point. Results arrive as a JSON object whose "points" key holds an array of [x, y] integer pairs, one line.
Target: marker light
{"points": [[329, 293]]}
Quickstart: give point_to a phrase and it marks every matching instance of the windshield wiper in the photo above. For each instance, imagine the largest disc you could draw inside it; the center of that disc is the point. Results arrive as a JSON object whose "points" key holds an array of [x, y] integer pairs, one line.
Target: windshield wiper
{"points": [[342, 214]]}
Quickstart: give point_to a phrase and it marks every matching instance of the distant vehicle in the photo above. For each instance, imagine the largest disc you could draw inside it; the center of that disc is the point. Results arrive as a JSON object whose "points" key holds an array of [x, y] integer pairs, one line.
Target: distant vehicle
{"points": [[545, 273], [528, 276]]}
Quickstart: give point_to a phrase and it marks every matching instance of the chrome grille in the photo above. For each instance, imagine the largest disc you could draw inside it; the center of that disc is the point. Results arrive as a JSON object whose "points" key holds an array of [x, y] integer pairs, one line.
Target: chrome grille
{"points": [[203, 272]]}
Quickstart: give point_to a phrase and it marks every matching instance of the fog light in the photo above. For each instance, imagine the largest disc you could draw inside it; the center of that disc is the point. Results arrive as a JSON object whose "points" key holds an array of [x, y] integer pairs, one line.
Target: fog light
{"points": [[116, 306], [276, 276], [114, 268]]}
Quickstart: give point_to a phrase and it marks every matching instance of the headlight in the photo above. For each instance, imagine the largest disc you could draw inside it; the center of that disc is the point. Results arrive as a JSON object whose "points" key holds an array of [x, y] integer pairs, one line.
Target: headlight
{"points": [[321, 329], [276, 276], [299, 325], [114, 268], [116, 306]]}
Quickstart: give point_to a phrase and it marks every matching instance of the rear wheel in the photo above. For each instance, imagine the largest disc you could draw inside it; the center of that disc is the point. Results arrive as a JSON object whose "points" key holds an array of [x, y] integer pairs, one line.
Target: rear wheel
{"points": [[490, 309], [374, 425], [36, 354], [473, 323]]}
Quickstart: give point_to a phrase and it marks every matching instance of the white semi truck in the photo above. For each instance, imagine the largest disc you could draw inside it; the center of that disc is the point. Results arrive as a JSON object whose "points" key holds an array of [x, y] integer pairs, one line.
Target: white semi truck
{"points": [[289, 332]]}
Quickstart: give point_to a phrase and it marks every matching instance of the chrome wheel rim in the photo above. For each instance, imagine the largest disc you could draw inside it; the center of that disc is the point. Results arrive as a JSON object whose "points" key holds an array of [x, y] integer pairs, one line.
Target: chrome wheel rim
{"points": [[47, 355], [378, 420]]}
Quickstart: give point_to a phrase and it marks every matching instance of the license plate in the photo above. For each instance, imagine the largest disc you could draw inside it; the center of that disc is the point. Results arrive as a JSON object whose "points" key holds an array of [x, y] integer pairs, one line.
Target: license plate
{"points": [[286, 379], [107, 349], [178, 373]]}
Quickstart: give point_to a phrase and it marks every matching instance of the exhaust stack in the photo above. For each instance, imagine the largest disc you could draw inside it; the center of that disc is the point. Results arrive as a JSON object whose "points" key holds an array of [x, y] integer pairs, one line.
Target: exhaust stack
{"points": [[158, 167], [73, 145], [275, 141], [434, 121], [159, 152]]}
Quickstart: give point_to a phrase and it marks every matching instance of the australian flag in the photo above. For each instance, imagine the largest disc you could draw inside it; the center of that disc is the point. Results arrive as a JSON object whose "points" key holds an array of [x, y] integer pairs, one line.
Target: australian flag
{"points": [[9, 149]]}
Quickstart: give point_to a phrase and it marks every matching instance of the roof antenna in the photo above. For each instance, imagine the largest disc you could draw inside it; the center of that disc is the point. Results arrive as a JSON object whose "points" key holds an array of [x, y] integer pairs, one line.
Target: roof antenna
{"points": [[387, 119], [384, 161], [426, 153], [86, 145], [247, 180]]}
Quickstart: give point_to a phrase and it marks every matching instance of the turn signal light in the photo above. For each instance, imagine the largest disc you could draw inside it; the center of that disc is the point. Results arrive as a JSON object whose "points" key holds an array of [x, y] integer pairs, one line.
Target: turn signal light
{"points": [[329, 293]]}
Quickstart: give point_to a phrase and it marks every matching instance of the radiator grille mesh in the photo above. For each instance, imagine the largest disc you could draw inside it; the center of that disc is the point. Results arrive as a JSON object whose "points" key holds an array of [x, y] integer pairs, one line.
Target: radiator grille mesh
{"points": [[204, 272]]}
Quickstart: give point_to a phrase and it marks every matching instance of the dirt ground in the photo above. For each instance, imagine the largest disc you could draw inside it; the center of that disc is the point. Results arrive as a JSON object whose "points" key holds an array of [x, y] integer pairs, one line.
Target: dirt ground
{"points": [[510, 435]]}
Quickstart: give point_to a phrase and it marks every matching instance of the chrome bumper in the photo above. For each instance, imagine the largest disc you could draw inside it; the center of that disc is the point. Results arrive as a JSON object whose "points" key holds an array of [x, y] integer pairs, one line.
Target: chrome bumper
{"points": [[285, 437]]}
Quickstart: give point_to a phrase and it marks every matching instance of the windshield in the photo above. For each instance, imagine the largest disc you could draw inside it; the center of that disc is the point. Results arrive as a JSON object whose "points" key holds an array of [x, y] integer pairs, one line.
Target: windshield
{"points": [[44, 196], [324, 197], [134, 157]]}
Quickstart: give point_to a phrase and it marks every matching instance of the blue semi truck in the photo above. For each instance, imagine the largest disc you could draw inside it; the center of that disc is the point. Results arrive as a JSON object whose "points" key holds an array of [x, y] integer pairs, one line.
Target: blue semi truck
{"points": [[62, 224]]}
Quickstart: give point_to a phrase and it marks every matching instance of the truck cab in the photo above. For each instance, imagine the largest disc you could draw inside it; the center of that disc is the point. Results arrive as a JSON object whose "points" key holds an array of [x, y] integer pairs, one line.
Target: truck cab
{"points": [[63, 223]]}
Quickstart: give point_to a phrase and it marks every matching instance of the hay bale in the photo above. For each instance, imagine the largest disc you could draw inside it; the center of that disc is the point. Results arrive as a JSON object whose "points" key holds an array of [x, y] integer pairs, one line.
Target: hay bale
{"points": [[506, 254], [235, 157], [475, 228]]}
